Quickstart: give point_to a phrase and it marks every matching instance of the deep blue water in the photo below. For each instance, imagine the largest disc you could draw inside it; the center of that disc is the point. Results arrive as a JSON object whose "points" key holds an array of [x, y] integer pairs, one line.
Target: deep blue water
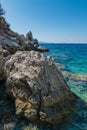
{"points": [[73, 56]]}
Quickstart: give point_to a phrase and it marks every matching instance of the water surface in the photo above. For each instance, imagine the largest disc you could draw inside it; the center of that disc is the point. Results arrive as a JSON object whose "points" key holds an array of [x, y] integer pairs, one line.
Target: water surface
{"points": [[74, 57]]}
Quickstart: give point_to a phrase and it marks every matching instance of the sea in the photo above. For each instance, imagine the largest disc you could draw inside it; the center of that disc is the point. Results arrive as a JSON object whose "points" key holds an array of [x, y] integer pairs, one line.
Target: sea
{"points": [[74, 57]]}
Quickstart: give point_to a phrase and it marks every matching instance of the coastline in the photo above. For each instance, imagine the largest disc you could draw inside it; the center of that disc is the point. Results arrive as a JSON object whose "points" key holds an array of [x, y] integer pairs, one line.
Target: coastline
{"points": [[31, 86], [34, 89], [43, 85], [72, 80]]}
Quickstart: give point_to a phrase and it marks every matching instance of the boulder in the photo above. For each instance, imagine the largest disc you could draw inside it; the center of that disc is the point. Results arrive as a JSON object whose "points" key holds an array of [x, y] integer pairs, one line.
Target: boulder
{"points": [[38, 87]]}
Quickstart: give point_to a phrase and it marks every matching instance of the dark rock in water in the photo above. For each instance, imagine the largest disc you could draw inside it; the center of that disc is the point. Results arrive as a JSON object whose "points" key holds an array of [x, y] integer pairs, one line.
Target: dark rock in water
{"points": [[42, 49], [38, 87]]}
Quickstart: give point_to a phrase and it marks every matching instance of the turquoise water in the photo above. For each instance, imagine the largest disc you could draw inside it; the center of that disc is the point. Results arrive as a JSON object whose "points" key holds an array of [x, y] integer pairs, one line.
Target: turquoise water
{"points": [[74, 57]]}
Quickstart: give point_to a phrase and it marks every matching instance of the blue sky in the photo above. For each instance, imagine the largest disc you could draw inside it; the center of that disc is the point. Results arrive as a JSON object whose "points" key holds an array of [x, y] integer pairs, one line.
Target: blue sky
{"points": [[49, 20]]}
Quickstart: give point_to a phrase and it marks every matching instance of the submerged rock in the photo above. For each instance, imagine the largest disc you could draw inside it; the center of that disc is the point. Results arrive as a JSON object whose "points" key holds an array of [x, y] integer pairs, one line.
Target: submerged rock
{"points": [[79, 77], [38, 87], [76, 82]]}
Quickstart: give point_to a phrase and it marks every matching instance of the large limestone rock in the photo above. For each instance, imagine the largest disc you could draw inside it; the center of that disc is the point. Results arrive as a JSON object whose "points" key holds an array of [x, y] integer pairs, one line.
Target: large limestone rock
{"points": [[38, 87]]}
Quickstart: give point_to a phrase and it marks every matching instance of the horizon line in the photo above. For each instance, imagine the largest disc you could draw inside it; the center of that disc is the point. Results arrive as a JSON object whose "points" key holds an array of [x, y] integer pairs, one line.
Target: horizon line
{"points": [[62, 42]]}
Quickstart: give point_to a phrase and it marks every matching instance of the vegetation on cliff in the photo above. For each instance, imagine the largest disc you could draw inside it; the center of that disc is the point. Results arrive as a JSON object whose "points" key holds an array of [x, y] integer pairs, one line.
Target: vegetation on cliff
{"points": [[2, 12], [3, 22]]}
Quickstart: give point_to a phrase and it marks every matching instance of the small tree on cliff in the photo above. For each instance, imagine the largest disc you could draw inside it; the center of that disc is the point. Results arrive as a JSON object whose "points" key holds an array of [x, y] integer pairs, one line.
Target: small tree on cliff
{"points": [[2, 19], [2, 12]]}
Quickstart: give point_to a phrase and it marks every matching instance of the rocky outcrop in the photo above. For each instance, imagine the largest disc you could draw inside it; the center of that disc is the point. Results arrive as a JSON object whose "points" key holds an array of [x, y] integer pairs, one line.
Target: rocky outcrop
{"points": [[13, 42], [29, 36], [32, 44], [38, 87]]}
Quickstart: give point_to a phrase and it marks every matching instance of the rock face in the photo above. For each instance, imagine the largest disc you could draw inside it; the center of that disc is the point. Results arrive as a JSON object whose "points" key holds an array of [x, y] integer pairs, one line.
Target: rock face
{"points": [[8, 44], [38, 87]]}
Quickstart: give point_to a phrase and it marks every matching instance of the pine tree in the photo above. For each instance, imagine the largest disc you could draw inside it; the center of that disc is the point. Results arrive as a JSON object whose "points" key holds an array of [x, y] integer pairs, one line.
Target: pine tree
{"points": [[2, 12]]}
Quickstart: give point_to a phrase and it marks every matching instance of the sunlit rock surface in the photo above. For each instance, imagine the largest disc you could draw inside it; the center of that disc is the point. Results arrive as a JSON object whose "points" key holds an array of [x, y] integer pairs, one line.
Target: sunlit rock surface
{"points": [[38, 87]]}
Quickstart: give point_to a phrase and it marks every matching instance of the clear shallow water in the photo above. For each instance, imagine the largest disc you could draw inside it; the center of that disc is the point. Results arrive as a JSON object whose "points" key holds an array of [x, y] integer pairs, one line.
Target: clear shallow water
{"points": [[74, 57]]}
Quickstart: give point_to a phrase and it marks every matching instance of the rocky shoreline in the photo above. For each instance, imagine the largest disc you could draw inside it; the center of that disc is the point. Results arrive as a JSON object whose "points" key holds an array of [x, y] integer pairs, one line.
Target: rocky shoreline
{"points": [[16, 122], [35, 92], [32, 88]]}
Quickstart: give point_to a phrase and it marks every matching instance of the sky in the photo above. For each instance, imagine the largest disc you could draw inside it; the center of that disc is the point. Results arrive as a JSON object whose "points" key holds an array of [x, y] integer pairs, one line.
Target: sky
{"points": [[58, 21]]}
